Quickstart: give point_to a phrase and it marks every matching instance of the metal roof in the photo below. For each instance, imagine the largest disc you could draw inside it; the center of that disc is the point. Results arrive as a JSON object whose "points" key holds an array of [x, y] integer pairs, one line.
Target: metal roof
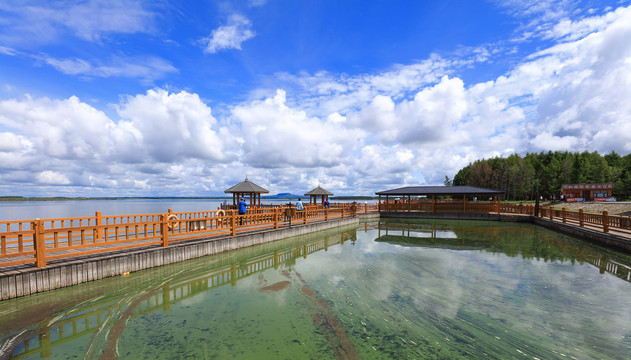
{"points": [[319, 191], [440, 190], [246, 186]]}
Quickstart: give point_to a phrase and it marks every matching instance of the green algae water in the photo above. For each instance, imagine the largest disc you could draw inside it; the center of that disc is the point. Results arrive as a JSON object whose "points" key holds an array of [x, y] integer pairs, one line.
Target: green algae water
{"points": [[383, 290]]}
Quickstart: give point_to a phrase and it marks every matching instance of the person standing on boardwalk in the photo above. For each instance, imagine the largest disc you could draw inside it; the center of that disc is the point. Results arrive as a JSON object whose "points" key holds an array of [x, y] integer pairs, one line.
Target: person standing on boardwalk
{"points": [[326, 203], [242, 210], [299, 206]]}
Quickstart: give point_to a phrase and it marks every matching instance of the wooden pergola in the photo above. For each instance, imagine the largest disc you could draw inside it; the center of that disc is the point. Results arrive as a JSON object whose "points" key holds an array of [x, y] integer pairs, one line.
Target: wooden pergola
{"points": [[313, 195], [404, 195], [249, 189]]}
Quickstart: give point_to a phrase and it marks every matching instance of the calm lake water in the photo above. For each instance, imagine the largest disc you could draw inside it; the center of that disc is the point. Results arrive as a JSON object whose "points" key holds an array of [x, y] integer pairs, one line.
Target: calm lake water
{"points": [[26, 210], [383, 290]]}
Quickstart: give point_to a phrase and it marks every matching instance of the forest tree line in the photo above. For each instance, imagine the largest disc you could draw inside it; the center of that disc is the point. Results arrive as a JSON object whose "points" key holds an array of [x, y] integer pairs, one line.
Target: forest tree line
{"points": [[521, 177]]}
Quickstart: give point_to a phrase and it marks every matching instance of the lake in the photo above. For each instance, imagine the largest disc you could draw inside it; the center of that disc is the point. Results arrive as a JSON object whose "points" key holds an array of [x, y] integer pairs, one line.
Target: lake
{"points": [[382, 290], [27, 210]]}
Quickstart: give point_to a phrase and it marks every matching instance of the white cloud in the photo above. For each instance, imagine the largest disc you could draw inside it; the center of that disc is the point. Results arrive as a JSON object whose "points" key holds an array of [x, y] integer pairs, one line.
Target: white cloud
{"points": [[63, 129], [7, 51], [147, 68], [68, 142], [409, 124], [229, 36], [586, 89], [278, 136], [52, 178], [10, 142], [27, 22], [174, 127]]}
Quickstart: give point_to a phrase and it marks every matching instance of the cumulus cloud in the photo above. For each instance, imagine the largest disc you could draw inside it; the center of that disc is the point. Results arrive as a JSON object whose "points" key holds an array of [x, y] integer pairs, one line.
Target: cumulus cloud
{"points": [[68, 142], [61, 129], [229, 36], [173, 127], [9, 142], [410, 124], [52, 178], [276, 135], [586, 90]]}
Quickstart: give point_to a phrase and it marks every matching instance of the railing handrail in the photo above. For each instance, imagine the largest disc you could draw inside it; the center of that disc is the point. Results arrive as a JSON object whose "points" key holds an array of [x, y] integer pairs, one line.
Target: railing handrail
{"points": [[33, 241]]}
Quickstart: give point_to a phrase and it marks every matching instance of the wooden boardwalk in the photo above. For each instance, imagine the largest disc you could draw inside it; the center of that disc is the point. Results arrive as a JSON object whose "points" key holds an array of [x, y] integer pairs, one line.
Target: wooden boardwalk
{"points": [[42, 242]]}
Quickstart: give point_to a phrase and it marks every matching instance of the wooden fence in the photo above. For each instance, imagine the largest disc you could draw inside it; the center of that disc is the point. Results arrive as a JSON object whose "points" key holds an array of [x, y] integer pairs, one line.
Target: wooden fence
{"points": [[603, 222], [41, 240]]}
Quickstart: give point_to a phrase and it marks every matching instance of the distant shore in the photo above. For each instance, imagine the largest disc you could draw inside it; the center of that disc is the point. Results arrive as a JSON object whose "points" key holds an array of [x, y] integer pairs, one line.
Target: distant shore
{"points": [[272, 197]]}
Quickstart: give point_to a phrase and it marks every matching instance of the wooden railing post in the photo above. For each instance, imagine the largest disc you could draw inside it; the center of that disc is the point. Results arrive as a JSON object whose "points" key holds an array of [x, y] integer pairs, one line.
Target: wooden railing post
{"points": [[605, 221], [581, 218], [551, 213], [99, 220], [275, 218], [38, 243], [305, 215], [563, 214], [164, 229], [326, 214], [233, 223]]}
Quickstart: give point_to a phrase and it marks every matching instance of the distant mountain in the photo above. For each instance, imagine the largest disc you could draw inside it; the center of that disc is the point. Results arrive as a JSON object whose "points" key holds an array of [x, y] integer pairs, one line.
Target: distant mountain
{"points": [[282, 196]]}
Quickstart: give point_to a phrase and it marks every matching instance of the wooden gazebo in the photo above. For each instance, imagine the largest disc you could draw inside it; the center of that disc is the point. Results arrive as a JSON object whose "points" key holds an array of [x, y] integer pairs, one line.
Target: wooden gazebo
{"points": [[249, 189], [313, 195], [406, 198]]}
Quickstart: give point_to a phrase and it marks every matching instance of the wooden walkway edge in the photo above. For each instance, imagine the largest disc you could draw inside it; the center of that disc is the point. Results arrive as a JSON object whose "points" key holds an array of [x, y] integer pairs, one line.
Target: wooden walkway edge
{"points": [[18, 281]]}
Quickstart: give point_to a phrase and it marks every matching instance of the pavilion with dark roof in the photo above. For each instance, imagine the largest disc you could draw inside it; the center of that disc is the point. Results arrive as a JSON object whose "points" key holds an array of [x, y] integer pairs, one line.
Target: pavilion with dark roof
{"points": [[412, 198], [313, 195], [249, 189]]}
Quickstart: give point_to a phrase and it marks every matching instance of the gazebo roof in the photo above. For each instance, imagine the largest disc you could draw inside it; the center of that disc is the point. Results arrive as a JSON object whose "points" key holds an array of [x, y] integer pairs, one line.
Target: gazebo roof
{"points": [[246, 186], [319, 191], [440, 190]]}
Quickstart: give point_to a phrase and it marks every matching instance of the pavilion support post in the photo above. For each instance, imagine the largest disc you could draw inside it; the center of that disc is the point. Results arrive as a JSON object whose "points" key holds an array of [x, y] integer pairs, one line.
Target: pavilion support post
{"points": [[464, 204], [433, 204]]}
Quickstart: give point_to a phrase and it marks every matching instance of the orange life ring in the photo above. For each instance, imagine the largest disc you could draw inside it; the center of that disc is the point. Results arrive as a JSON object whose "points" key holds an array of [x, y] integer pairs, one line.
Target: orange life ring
{"points": [[220, 212], [170, 218]]}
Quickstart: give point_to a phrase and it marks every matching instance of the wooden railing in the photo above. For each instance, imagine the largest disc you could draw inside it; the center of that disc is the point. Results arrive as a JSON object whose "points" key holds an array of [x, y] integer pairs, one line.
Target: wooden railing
{"points": [[603, 222], [41, 240]]}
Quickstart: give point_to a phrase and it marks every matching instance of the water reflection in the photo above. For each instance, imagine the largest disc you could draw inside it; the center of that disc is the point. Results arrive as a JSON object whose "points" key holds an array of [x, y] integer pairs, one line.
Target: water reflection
{"points": [[529, 242], [423, 289], [110, 314]]}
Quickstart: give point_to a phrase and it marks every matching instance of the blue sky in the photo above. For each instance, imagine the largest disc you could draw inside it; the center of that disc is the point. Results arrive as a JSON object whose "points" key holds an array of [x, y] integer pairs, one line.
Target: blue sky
{"points": [[165, 98]]}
